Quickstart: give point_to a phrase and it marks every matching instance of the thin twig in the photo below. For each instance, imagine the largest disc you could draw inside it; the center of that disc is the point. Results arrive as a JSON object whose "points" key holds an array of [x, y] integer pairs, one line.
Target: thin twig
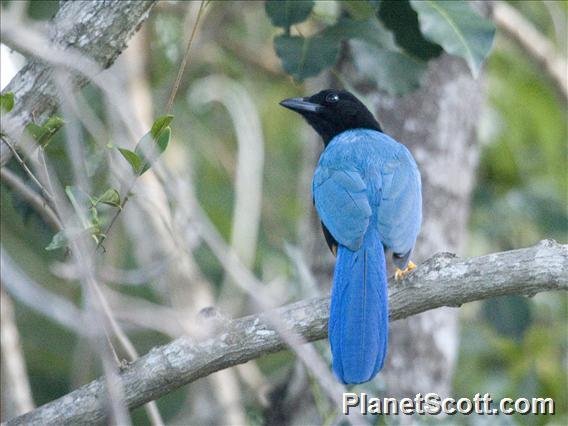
{"points": [[43, 164], [112, 348], [185, 59], [113, 220], [33, 198], [17, 396], [265, 61], [45, 193], [116, 329], [37, 297]]}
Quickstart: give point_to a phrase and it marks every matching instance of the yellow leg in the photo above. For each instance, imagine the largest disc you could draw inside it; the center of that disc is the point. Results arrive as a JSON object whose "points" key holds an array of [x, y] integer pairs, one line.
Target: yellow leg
{"points": [[399, 273]]}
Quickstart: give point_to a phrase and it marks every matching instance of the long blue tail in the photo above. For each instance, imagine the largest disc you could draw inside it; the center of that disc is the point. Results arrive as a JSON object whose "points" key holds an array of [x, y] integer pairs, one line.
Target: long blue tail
{"points": [[358, 320]]}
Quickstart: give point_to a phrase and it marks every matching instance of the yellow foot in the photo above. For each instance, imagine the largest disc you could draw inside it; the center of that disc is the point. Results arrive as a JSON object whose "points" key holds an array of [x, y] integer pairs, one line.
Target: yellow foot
{"points": [[399, 273]]}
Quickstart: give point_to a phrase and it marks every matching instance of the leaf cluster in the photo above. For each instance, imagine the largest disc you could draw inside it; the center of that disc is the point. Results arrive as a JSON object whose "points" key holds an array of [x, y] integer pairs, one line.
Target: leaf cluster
{"points": [[391, 41], [87, 216], [150, 146]]}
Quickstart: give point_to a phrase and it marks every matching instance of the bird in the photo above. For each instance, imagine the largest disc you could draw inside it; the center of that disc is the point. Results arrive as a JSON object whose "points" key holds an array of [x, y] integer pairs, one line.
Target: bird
{"points": [[367, 192]]}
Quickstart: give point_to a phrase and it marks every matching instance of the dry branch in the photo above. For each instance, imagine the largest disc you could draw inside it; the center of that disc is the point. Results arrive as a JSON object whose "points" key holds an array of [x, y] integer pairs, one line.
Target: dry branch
{"points": [[99, 30], [443, 280]]}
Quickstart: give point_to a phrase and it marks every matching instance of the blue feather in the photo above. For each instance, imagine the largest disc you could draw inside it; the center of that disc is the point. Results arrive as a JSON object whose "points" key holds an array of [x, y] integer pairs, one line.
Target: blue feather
{"points": [[358, 324]]}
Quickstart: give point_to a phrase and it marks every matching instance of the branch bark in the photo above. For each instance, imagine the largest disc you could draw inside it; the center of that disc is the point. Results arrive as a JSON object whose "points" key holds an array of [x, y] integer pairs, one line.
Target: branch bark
{"points": [[99, 30], [443, 280]]}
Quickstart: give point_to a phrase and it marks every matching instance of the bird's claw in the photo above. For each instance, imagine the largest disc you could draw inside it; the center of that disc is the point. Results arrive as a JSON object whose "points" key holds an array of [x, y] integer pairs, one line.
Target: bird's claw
{"points": [[400, 274]]}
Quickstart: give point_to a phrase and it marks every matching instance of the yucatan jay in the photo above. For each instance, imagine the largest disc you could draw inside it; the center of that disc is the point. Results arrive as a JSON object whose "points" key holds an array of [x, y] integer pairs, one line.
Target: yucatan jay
{"points": [[367, 192]]}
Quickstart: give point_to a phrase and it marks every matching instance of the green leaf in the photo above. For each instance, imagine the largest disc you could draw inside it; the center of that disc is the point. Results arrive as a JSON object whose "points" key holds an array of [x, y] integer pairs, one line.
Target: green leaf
{"points": [[394, 72], [60, 239], [110, 197], [457, 28], [306, 57], [57, 241], [402, 20], [35, 131], [53, 124], [94, 218], [7, 102], [160, 124], [359, 9], [369, 30], [391, 69], [133, 159], [43, 134], [285, 13], [164, 139], [149, 149]]}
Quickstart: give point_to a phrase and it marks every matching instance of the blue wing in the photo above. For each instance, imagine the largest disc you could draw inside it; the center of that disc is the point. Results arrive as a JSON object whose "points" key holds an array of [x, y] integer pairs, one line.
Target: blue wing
{"points": [[389, 181], [400, 209], [340, 196]]}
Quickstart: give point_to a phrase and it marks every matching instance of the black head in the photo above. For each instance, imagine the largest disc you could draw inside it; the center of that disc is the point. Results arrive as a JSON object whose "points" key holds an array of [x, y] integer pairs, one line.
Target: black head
{"points": [[331, 112]]}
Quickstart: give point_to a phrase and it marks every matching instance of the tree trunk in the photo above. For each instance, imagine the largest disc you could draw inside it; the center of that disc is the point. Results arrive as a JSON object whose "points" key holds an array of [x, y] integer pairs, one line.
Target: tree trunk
{"points": [[437, 123]]}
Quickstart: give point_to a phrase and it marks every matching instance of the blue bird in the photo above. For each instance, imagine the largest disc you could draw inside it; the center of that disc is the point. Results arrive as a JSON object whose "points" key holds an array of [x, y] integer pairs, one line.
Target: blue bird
{"points": [[367, 192]]}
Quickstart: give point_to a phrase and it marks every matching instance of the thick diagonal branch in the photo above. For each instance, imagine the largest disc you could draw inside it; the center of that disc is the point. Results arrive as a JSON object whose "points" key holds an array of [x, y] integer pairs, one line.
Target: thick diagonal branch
{"points": [[443, 280], [98, 30]]}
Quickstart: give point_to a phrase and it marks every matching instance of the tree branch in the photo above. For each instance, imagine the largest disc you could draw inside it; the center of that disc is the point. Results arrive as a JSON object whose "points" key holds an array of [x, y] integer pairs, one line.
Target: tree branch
{"points": [[99, 30], [534, 43], [443, 280], [39, 203], [18, 399]]}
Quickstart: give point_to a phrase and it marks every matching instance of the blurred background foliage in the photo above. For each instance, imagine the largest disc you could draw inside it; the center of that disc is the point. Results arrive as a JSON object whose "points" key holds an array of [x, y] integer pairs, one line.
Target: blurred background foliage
{"points": [[510, 346], [517, 346]]}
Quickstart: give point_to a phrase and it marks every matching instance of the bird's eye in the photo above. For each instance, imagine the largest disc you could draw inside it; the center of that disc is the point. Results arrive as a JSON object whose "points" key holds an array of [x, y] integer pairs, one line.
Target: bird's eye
{"points": [[332, 98]]}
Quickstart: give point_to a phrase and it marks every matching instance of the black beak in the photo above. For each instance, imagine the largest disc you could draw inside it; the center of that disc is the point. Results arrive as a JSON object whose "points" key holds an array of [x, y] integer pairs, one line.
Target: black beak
{"points": [[300, 104]]}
